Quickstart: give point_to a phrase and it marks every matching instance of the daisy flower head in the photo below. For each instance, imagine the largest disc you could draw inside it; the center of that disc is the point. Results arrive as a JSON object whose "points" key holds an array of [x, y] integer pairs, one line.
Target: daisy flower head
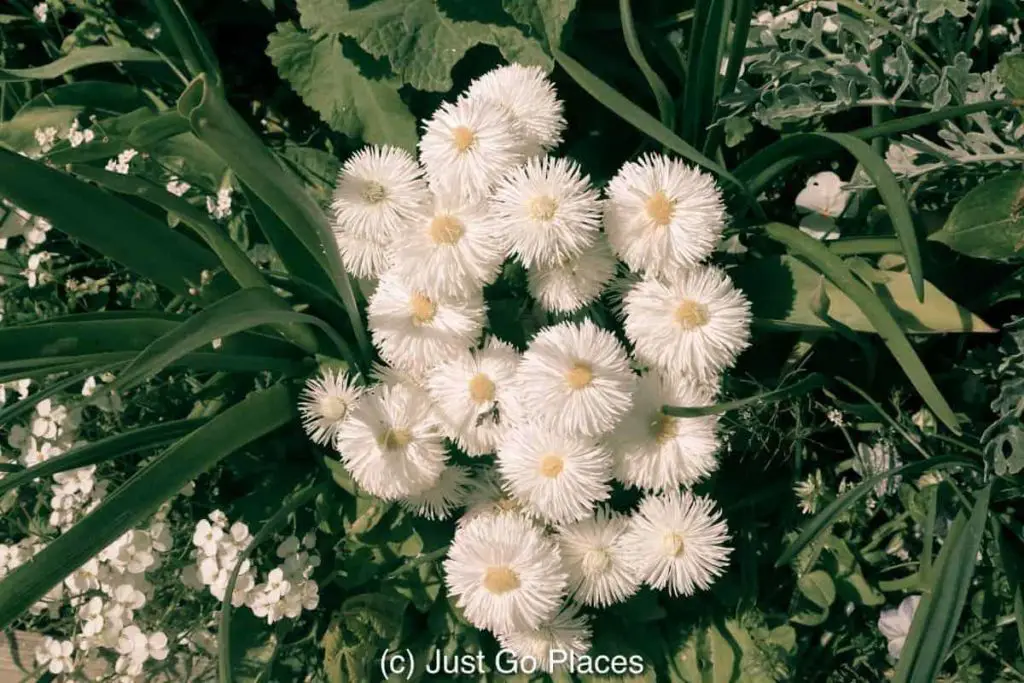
{"points": [[442, 498], [486, 498], [529, 96], [364, 257], [566, 632], [467, 146], [559, 477], [452, 248], [575, 378], [473, 393], [325, 403], [678, 541], [695, 325], [414, 332], [662, 215], [548, 210], [506, 574], [390, 443], [569, 286], [593, 551], [378, 190], [655, 451]]}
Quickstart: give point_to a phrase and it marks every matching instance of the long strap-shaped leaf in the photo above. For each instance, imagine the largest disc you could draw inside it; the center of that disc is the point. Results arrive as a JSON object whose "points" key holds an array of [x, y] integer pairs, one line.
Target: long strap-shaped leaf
{"points": [[805, 385], [766, 165], [106, 223], [241, 311], [195, 50], [13, 412], [833, 267], [219, 126], [666, 107], [103, 450], [80, 57], [259, 414], [938, 614]]}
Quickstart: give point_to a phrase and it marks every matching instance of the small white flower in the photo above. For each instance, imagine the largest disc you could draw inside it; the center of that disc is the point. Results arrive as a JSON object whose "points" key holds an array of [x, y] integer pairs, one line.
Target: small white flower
{"points": [[560, 477], [894, 624], [878, 458], [575, 377], [505, 573], [594, 554], [678, 541], [378, 192], [696, 325], [655, 451], [40, 12], [567, 287], [77, 136], [567, 633], [442, 498], [391, 443], [662, 215], [220, 207], [527, 94], [122, 164], [56, 655], [467, 146], [415, 332], [177, 187], [825, 200], [45, 138], [548, 211], [810, 492], [325, 403]]}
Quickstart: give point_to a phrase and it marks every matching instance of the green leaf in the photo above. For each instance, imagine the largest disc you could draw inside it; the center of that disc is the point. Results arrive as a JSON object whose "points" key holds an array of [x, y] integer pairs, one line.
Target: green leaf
{"points": [[723, 658], [103, 450], [80, 57], [130, 505], [666, 107], [192, 45], [938, 614], [783, 290], [909, 123], [833, 267], [12, 412], [546, 18], [420, 42], [818, 588], [805, 385], [1011, 556], [824, 519], [106, 223], [989, 221], [1011, 73], [855, 588], [331, 84]]}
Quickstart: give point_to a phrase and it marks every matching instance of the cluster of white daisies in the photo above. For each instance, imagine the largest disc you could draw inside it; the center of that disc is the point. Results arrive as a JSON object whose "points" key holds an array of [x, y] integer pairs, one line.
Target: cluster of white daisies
{"points": [[543, 434]]}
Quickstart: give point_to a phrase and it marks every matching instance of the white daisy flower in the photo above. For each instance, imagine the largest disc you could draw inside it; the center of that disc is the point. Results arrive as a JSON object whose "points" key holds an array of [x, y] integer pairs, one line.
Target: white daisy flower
{"points": [[569, 286], [378, 191], [474, 395], [575, 378], [655, 451], [382, 373], [505, 573], [560, 477], [452, 249], [414, 332], [442, 498], [467, 146], [696, 325], [662, 215], [486, 497], [678, 541], [548, 210], [391, 444], [527, 94], [550, 646], [363, 257], [593, 551], [325, 403]]}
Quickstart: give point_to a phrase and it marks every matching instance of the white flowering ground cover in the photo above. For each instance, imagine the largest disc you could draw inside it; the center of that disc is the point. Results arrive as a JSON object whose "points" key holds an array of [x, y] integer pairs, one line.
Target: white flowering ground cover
{"points": [[512, 340]]}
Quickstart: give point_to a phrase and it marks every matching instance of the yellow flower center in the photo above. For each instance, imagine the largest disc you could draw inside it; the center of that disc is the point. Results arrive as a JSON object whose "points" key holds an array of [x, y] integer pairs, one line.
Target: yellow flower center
{"points": [[394, 439], [691, 314], [463, 139], [422, 309], [659, 209], [543, 208], [579, 376], [481, 388], [374, 193], [333, 408], [445, 229], [663, 428], [596, 561], [500, 579], [551, 465], [673, 544]]}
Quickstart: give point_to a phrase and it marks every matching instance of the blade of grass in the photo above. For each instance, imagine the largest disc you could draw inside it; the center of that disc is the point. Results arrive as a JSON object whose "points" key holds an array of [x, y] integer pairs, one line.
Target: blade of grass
{"points": [[742, 20], [864, 245], [666, 107], [908, 123], [703, 64], [79, 57], [103, 450], [833, 267], [824, 519], [912, 439], [258, 414], [804, 386], [192, 45]]}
